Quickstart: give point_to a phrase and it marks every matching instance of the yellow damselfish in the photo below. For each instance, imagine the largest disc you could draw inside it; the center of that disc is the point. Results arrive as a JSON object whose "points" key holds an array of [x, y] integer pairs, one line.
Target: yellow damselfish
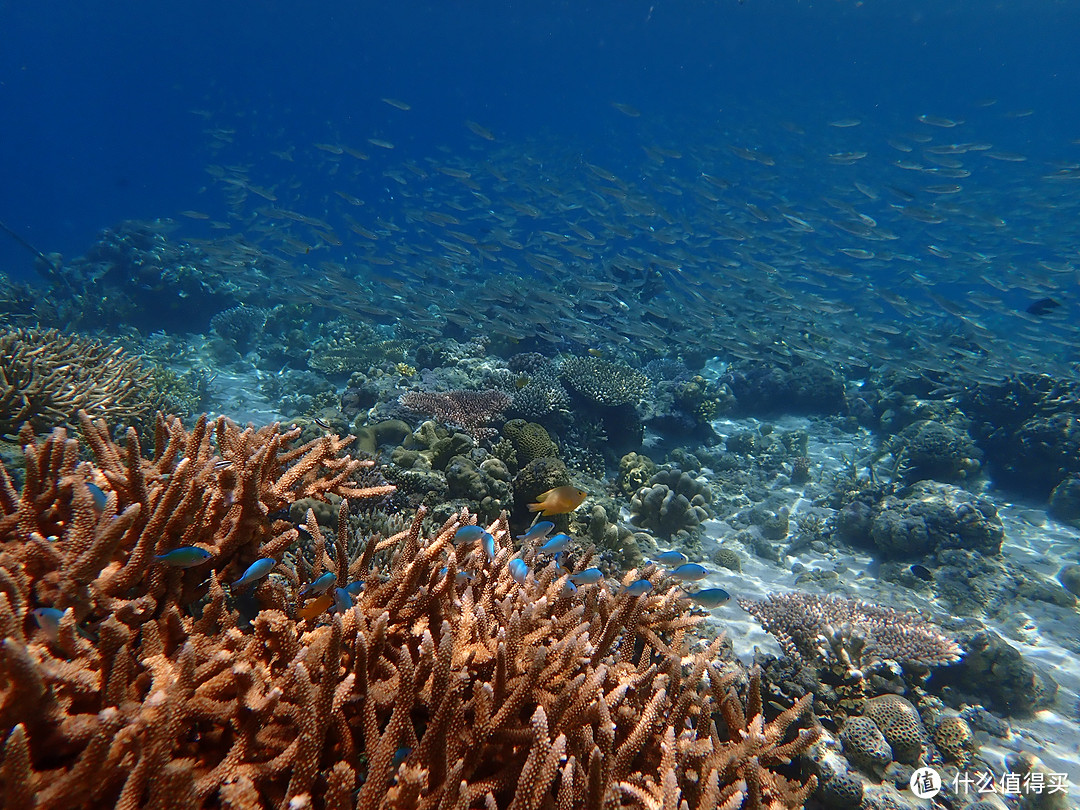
{"points": [[559, 501]]}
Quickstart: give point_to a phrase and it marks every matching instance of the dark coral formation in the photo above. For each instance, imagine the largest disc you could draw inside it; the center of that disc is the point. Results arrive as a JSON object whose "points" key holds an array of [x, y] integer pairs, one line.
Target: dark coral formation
{"points": [[925, 518]]}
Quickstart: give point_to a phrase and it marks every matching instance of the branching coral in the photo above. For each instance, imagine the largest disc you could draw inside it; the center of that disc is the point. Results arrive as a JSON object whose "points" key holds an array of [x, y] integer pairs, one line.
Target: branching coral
{"points": [[469, 410], [47, 376], [854, 634], [458, 685]]}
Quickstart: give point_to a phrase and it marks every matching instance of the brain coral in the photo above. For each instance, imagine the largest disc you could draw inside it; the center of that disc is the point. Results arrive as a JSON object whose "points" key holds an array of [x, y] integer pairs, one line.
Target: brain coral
{"points": [[531, 441], [955, 739]]}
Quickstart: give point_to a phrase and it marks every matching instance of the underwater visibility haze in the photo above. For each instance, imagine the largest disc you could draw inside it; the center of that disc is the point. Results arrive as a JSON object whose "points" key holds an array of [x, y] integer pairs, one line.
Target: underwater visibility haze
{"points": [[639, 404]]}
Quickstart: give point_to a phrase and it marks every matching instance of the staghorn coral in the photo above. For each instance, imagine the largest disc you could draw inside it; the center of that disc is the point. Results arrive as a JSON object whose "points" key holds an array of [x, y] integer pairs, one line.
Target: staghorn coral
{"points": [[854, 634], [469, 410], [453, 691], [47, 376]]}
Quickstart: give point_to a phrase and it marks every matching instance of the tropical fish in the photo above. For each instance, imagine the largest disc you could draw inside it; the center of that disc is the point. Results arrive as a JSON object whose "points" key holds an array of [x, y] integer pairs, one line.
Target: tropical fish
{"points": [[354, 588], [538, 531], [556, 544], [671, 558], [518, 570], [98, 494], [1042, 307], [639, 587], [184, 557], [489, 546], [590, 576], [256, 571], [320, 586], [343, 600], [48, 619], [922, 572], [468, 534], [710, 597], [559, 501], [315, 607], [568, 589], [690, 572]]}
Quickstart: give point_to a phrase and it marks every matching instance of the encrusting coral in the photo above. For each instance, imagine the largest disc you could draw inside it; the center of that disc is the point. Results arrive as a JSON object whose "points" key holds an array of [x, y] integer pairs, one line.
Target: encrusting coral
{"points": [[445, 684]]}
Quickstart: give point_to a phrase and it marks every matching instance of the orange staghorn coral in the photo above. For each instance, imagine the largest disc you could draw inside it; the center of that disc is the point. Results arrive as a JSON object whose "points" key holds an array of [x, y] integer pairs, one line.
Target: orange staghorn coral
{"points": [[443, 683]]}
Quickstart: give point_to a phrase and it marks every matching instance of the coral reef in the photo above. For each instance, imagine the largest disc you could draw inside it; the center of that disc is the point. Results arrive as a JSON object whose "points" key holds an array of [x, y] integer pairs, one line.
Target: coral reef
{"points": [[149, 690], [854, 634], [996, 675], [808, 386], [673, 504], [241, 326], [900, 725], [930, 449], [46, 377], [530, 441], [346, 346], [603, 382], [924, 518], [470, 410]]}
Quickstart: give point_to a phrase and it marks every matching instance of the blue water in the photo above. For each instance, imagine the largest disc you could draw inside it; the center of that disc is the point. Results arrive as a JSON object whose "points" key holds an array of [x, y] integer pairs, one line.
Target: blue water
{"points": [[97, 100]]}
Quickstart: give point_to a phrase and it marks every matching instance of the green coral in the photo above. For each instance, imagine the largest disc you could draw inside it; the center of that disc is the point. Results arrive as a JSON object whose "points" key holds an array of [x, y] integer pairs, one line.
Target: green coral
{"points": [[347, 346], [530, 440], [727, 557], [635, 470], [703, 399], [486, 486]]}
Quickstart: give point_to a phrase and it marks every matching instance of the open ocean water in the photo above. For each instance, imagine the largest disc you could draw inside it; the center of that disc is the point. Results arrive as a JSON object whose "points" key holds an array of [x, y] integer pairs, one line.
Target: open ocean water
{"points": [[886, 190]]}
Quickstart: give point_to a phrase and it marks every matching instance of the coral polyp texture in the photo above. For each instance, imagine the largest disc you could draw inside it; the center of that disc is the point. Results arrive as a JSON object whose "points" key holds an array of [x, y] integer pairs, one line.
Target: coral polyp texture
{"points": [[470, 410], [853, 634], [431, 678], [46, 377]]}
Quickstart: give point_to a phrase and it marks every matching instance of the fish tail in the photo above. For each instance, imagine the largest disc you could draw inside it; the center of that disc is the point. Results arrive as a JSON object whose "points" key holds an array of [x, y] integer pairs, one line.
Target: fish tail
{"points": [[536, 507]]}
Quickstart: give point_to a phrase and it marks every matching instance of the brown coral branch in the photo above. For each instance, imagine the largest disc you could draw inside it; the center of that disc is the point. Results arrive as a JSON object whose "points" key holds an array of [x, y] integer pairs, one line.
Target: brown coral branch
{"points": [[468, 692]]}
